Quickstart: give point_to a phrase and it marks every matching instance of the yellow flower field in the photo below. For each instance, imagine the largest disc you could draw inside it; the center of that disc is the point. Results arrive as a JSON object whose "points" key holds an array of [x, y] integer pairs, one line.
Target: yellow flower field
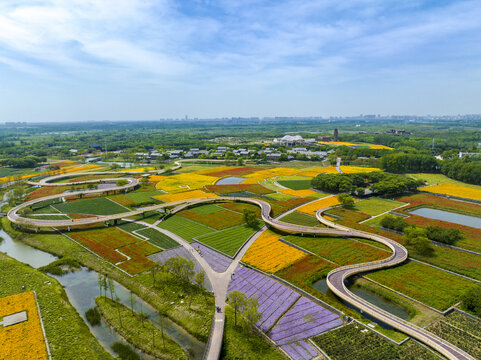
{"points": [[24, 340], [375, 146], [267, 173], [147, 168], [183, 182], [269, 254], [185, 195], [454, 190], [53, 172], [312, 207], [337, 143], [299, 193], [357, 169], [314, 171]]}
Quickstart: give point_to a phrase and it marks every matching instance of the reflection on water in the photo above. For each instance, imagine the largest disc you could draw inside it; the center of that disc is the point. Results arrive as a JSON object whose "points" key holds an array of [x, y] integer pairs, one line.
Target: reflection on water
{"points": [[24, 253], [230, 180], [373, 298], [82, 288], [449, 216]]}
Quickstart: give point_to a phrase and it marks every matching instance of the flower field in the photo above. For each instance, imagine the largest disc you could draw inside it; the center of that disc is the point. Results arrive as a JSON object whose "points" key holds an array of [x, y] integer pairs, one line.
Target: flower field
{"points": [[311, 208], [305, 271], [305, 319], [295, 317], [357, 169], [440, 202], [24, 340], [458, 337], [300, 193], [46, 191], [182, 182], [217, 261], [229, 171], [141, 169], [280, 255], [314, 171], [454, 190], [299, 218], [300, 350], [184, 196], [106, 241]]}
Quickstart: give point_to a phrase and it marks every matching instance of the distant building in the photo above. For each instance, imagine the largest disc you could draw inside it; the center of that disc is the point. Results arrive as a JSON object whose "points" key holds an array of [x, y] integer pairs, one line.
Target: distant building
{"points": [[336, 133], [289, 140]]}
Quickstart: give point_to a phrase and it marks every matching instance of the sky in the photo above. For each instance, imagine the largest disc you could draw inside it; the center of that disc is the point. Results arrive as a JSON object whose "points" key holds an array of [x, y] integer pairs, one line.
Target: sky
{"points": [[86, 60]]}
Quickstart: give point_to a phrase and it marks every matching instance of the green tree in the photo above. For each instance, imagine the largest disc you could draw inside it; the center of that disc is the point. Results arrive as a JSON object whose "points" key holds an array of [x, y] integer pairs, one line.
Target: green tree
{"points": [[199, 281], [250, 313], [472, 300], [240, 162], [448, 236], [121, 182], [250, 218], [237, 300], [417, 239], [346, 200]]}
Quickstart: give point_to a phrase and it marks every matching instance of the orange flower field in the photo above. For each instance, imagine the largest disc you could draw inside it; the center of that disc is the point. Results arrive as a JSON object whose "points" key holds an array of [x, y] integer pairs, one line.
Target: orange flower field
{"points": [[312, 207], [24, 340], [280, 255], [454, 190]]}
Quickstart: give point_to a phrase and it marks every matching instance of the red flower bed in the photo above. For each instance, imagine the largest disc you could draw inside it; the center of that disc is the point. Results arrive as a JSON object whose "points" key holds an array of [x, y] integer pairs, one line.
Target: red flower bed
{"points": [[225, 189], [46, 191], [104, 242], [307, 270], [238, 171]]}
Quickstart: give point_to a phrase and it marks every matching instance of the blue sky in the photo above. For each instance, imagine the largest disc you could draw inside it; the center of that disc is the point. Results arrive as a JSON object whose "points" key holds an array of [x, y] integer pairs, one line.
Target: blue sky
{"points": [[66, 60]]}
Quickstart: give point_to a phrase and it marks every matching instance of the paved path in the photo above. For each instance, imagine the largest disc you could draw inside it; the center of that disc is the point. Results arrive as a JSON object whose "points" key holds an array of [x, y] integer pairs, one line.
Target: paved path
{"points": [[220, 281]]}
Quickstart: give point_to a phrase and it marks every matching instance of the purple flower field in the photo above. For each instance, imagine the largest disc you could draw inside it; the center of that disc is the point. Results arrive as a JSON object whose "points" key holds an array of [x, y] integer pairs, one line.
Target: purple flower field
{"points": [[300, 350], [287, 317], [217, 261], [305, 319], [274, 298]]}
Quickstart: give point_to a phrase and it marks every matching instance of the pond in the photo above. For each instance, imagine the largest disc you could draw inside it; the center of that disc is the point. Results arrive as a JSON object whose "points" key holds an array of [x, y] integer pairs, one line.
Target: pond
{"points": [[373, 298], [449, 216], [82, 288], [230, 180]]}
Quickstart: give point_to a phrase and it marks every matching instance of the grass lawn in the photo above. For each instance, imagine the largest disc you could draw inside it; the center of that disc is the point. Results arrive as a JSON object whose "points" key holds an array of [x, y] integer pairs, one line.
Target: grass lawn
{"points": [[299, 218], [229, 240], [185, 228], [8, 172], [158, 238], [94, 206], [206, 209], [218, 220], [46, 210], [239, 343], [356, 342], [67, 334], [281, 196], [50, 217], [433, 287], [136, 197], [137, 332], [296, 184], [339, 250], [376, 206]]}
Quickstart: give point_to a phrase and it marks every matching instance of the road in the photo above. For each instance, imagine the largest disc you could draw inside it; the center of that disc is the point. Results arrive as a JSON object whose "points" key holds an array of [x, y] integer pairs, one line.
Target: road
{"points": [[335, 278]]}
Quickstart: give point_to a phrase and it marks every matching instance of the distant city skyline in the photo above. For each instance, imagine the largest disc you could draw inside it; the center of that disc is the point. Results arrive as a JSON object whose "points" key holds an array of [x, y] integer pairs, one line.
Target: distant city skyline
{"points": [[81, 60]]}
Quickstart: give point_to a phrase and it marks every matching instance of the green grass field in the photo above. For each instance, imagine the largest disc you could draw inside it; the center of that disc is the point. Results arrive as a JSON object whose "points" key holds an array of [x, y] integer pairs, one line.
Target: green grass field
{"points": [[299, 218], [229, 240], [130, 226], [376, 206], [281, 196], [206, 209], [339, 250], [50, 217], [185, 228], [94, 206], [8, 172], [159, 239], [435, 179], [357, 342], [431, 286], [296, 184], [67, 334]]}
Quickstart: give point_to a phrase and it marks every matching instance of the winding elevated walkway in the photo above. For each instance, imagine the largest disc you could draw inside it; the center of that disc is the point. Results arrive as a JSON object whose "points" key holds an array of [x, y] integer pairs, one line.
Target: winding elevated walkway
{"points": [[335, 278]]}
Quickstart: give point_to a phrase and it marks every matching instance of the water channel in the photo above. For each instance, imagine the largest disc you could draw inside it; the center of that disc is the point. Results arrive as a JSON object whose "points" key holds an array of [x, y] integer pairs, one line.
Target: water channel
{"points": [[82, 288], [449, 216], [373, 298]]}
